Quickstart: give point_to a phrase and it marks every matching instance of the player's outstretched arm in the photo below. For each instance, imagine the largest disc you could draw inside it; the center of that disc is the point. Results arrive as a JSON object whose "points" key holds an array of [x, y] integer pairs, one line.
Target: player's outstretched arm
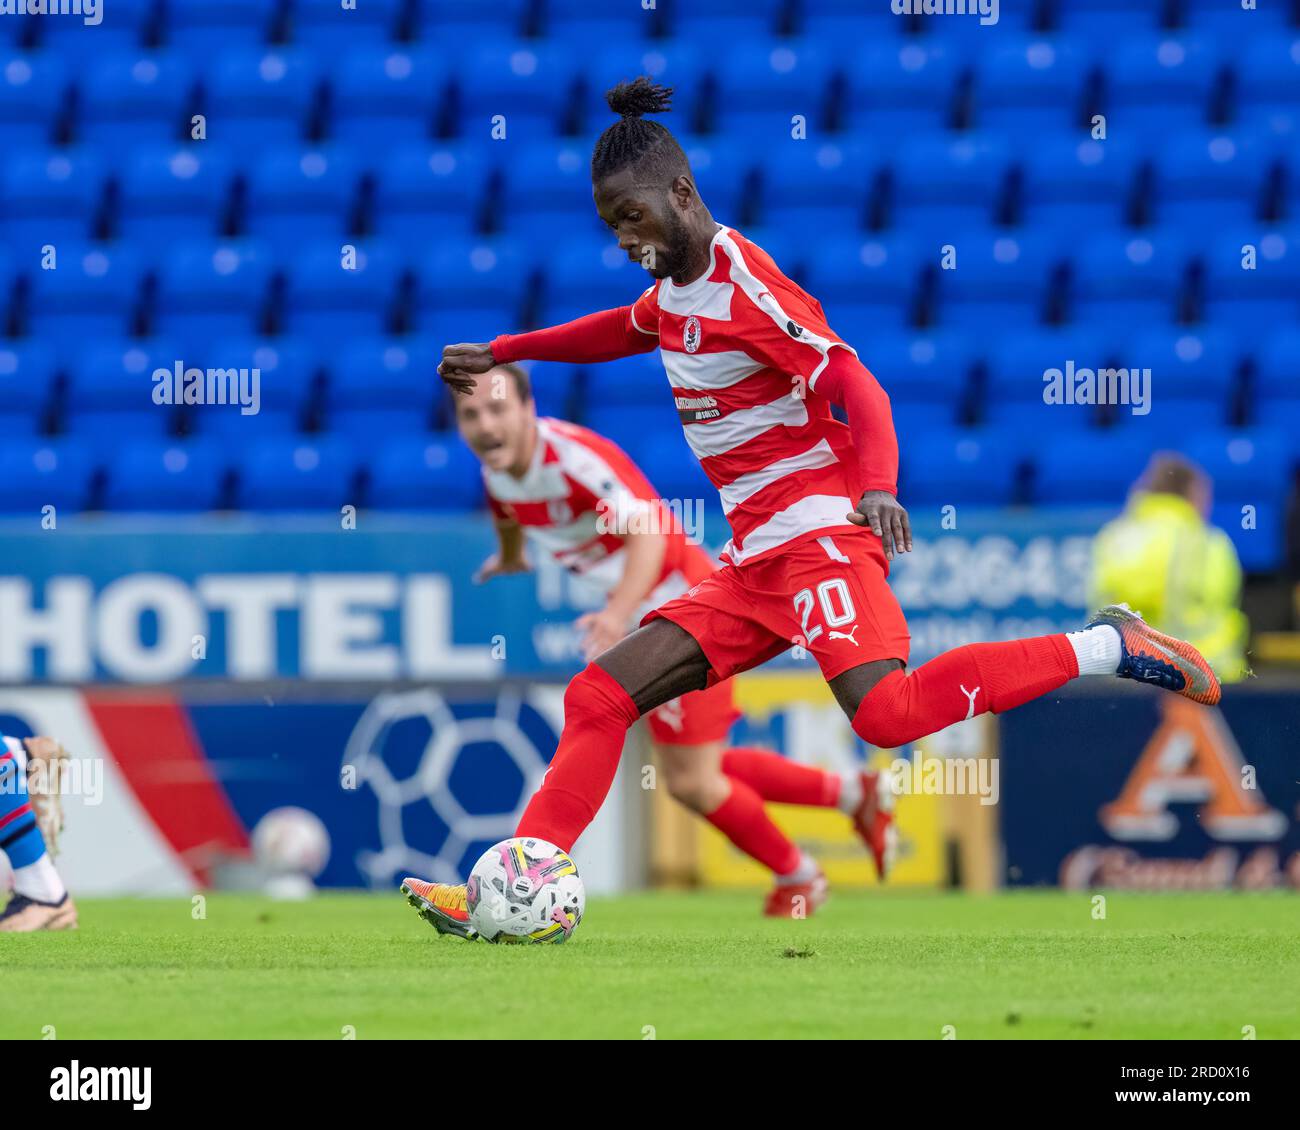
{"points": [[604, 336]]}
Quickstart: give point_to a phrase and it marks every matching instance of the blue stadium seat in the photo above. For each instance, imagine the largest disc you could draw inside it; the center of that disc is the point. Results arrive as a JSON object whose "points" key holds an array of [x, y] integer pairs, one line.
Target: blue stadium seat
{"points": [[528, 85], [920, 365], [332, 296], [722, 166], [1211, 172], [167, 476], [18, 34], [195, 27], [1012, 19], [672, 62], [260, 96], [430, 192], [1128, 280], [762, 85], [915, 418], [170, 193], [870, 282], [1015, 385], [387, 95], [49, 196], [454, 21], [1000, 278], [1076, 184], [660, 450], [28, 371], [475, 281], [297, 473], [1158, 83], [286, 374], [1268, 75], [547, 187], [819, 185], [295, 194], [436, 472], [1187, 363], [629, 383], [208, 291], [1089, 468], [33, 90], [1030, 85], [947, 184], [896, 89], [1259, 300], [39, 473], [1193, 377], [587, 275], [381, 387], [8, 280], [722, 20], [111, 390], [122, 27], [1277, 384], [556, 388], [1248, 468], [93, 291], [1107, 22], [133, 98], [954, 466], [331, 25], [580, 23], [846, 21], [1263, 20]]}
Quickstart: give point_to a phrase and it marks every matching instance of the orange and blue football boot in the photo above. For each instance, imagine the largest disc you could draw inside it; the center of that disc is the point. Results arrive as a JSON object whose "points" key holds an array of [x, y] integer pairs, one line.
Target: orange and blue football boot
{"points": [[441, 905], [1152, 657]]}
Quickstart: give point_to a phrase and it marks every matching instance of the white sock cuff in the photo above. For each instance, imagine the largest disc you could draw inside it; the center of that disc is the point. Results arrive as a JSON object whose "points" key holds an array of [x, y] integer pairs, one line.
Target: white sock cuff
{"points": [[1098, 649]]}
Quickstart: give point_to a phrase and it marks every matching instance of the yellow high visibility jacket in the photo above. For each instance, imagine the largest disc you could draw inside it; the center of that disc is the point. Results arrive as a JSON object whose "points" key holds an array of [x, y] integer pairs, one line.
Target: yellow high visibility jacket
{"points": [[1164, 560]]}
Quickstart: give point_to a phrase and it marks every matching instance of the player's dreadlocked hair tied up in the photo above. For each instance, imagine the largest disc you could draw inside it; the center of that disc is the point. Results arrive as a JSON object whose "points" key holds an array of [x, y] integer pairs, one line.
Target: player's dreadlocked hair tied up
{"points": [[632, 140]]}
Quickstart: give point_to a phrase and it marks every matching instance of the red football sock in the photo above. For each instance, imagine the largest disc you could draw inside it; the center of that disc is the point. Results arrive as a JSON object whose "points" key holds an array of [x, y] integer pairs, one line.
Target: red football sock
{"points": [[778, 778], [597, 715], [961, 683], [742, 820]]}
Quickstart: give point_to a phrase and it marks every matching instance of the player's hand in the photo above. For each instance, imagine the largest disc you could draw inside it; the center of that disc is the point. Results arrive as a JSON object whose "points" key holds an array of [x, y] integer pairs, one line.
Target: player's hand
{"points": [[495, 567], [462, 363], [600, 631], [888, 520]]}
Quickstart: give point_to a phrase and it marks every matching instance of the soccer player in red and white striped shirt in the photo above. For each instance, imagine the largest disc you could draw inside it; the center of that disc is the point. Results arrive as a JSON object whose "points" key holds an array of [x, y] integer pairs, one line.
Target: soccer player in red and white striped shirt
{"points": [[581, 499], [815, 520]]}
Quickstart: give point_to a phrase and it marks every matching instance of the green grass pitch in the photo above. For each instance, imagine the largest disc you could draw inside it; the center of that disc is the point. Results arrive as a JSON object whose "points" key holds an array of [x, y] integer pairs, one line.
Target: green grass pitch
{"points": [[883, 965]]}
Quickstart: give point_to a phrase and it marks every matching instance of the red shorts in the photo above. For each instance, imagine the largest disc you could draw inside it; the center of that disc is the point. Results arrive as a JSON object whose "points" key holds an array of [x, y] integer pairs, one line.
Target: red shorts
{"points": [[695, 718], [829, 594]]}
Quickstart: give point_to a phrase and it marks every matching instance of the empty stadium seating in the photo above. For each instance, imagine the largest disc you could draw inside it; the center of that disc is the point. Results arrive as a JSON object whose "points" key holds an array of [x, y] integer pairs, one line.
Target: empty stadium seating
{"points": [[330, 194]]}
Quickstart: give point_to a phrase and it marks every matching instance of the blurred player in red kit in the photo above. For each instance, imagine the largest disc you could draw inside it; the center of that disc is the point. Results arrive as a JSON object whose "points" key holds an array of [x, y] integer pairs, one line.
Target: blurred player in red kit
{"points": [[754, 368], [580, 498]]}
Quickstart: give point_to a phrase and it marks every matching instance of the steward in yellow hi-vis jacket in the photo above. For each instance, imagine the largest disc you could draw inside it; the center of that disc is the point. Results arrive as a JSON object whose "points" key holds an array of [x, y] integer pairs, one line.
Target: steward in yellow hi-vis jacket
{"points": [[1163, 559]]}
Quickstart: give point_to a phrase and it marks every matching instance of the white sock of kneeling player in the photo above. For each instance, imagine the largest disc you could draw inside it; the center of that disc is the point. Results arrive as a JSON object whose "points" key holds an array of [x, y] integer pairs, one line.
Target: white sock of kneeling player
{"points": [[40, 881]]}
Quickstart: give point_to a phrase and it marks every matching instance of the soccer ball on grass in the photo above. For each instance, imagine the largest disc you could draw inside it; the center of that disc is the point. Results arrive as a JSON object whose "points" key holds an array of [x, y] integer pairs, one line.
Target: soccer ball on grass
{"points": [[525, 890]]}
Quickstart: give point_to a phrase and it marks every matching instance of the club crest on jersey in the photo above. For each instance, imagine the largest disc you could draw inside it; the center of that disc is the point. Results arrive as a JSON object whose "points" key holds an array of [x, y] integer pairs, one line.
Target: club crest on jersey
{"points": [[691, 334], [559, 511]]}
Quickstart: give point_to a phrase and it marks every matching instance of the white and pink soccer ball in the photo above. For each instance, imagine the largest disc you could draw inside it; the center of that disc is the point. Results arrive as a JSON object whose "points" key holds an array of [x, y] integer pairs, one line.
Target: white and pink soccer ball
{"points": [[525, 890]]}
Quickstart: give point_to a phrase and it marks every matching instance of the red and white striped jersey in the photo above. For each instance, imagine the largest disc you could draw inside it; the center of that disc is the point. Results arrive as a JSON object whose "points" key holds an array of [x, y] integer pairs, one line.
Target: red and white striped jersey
{"points": [[578, 499], [743, 347]]}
